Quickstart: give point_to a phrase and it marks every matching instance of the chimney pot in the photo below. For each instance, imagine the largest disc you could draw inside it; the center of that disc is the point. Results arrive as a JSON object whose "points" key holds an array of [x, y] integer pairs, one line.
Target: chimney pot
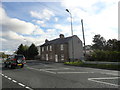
{"points": [[61, 36], [46, 40]]}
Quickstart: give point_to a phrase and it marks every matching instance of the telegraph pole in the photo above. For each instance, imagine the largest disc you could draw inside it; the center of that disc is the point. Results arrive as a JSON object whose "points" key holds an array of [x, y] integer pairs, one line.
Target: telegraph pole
{"points": [[83, 38]]}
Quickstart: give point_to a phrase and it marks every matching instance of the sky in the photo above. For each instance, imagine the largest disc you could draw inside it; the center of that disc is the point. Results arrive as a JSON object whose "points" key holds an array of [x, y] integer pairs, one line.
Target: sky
{"points": [[32, 22]]}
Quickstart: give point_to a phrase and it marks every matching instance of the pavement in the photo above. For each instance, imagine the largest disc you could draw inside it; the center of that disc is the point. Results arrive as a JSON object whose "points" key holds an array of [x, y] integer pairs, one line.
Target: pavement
{"points": [[36, 75]]}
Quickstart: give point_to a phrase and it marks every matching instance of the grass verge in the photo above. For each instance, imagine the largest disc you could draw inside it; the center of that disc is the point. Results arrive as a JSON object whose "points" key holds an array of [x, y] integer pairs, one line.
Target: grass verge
{"points": [[101, 66]]}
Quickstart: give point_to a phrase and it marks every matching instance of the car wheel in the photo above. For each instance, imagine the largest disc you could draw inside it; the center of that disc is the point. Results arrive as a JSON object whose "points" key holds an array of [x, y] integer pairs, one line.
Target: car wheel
{"points": [[11, 66], [22, 66], [5, 65]]}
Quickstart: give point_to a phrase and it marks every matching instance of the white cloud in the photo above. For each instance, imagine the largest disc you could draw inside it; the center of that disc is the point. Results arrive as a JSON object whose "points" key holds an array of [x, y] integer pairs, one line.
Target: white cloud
{"points": [[45, 14], [15, 25], [56, 19], [40, 22], [12, 35], [13, 30], [100, 17]]}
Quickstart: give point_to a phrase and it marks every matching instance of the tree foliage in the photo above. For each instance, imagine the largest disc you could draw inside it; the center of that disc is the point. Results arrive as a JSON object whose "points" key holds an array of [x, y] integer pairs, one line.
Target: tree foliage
{"points": [[32, 51], [104, 50], [20, 49], [99, 42], [28, 52]]}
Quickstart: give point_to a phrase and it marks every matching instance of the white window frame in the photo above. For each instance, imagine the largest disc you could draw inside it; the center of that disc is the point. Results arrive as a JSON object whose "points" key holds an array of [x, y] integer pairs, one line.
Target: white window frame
{"points": [[50, 47], [61, 47]]}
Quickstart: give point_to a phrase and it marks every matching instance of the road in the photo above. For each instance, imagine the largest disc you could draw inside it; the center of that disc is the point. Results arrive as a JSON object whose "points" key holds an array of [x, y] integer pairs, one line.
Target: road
{"points": [[36, 74]]}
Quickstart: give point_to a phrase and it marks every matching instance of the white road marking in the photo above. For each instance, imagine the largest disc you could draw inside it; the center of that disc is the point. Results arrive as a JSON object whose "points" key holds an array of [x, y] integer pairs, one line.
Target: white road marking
{"points": [[21, 84], [16, 82], [55, 69], [49, 71], [42, 70], [45, 70], [29, 88], [114, 74], [96, 80], [72, 72], [9, 78], [106, 78], [6, 76]]}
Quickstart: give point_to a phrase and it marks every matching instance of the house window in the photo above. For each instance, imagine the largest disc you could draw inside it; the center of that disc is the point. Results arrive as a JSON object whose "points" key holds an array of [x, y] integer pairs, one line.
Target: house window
{"points": [[61, 47], [42, 56], [50, 48], [47, 48], [62, 57], [42, 49], [50, 56]]}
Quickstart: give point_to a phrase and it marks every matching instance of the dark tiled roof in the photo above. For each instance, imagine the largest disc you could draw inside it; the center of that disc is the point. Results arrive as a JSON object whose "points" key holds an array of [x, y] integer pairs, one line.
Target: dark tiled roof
{"points": [[58, 41]]}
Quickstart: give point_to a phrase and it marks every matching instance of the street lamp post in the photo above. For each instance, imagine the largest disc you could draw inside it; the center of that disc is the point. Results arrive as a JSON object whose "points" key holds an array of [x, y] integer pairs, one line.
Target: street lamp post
{"points": [[72, 34]]}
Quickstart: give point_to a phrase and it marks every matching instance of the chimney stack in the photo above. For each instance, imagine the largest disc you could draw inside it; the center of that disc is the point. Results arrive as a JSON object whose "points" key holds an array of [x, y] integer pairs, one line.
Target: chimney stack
{"points": [[46, 40], [61, 36]]}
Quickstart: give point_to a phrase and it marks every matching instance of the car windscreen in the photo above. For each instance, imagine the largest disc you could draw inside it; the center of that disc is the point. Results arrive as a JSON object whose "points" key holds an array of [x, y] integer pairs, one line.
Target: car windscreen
{"points": [[18, 57]]}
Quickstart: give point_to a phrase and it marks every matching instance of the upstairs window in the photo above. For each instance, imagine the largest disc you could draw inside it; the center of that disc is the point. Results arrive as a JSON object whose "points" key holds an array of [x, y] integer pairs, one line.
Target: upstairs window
{"points": [[47, 48], [61, 47], [50, 48]]}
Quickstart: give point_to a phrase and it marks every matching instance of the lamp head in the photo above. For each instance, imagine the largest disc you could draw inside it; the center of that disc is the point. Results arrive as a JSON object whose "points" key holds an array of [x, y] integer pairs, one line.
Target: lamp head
{"points": [[67, 10]]}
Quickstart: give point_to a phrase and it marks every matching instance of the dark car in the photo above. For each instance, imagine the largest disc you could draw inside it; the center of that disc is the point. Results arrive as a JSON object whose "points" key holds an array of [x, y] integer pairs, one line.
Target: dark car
{"points": [[15, 61]]}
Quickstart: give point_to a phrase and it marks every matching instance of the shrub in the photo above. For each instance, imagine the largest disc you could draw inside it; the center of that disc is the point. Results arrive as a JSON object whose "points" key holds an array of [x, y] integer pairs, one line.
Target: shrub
{"points": [[99, 55]]}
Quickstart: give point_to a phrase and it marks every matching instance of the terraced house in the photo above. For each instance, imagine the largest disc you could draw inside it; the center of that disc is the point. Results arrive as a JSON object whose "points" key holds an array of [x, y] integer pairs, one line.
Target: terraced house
{"points": [[61, 49]]}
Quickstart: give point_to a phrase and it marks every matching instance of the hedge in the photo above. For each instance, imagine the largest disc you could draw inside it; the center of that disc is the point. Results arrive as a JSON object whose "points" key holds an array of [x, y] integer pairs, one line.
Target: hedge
{"points": [[98, 55]]}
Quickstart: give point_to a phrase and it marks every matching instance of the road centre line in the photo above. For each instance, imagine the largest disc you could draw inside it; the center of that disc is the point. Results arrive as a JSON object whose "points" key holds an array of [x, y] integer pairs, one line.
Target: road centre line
{"points": [[72, 72], [56, 69], [45, 70], [94, 80], [42, 70], [49, 71]]}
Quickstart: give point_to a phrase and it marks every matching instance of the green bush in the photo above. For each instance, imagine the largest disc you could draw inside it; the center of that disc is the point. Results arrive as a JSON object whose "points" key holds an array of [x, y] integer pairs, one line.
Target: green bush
{"points": [[74, 63], [99, 55]]}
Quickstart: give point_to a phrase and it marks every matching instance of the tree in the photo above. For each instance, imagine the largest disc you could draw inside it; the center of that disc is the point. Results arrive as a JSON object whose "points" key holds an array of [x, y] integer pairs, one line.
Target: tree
{"points": [[32, 51], [20, 49], [113, 45], [99, 42]]}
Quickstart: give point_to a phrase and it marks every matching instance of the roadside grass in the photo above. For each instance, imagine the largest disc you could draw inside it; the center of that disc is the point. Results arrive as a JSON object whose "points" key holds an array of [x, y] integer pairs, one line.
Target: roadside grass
{"points": [[101, 66]]}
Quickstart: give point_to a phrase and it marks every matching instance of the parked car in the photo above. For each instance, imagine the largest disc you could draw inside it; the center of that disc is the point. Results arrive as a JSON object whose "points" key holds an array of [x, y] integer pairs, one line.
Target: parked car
{"points": [[15, 61]]}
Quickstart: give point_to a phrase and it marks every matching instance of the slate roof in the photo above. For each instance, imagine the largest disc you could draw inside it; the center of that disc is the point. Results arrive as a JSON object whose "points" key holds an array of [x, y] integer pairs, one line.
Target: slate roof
{"points": [[58, 41]]}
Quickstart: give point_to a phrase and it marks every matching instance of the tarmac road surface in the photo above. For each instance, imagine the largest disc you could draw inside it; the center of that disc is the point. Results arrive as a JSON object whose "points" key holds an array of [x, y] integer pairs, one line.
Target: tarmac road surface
{"points": [[37, 74]]}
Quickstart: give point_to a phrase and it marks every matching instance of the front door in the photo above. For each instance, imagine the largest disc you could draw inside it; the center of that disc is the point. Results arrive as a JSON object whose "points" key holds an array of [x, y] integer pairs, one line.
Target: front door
{"points": [[56, 58], [47, 57]]}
